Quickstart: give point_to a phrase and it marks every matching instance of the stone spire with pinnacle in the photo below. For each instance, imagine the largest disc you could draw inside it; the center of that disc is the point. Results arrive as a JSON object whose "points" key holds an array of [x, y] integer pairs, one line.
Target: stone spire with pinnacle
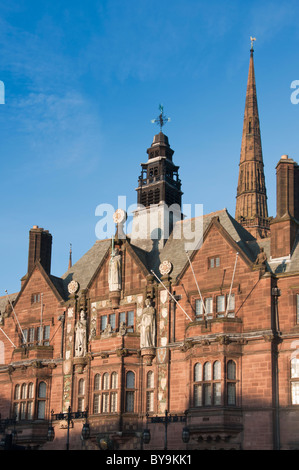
{"points": [[251, 206]]}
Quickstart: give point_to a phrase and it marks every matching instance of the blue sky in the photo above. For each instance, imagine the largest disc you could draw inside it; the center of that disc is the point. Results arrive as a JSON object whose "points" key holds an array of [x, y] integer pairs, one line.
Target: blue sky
{"points": [[83, 81]]}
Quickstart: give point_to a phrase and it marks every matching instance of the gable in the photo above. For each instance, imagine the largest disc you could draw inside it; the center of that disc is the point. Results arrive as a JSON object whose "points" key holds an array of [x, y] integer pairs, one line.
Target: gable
{"points": [[133, 273], [214, 262]]}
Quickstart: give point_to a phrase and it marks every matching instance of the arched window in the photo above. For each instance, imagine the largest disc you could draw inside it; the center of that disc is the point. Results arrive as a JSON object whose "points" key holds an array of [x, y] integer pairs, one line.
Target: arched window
{"points": [[106, 381], [130, 391], [114, 380], [295, 381], [97, 382]]}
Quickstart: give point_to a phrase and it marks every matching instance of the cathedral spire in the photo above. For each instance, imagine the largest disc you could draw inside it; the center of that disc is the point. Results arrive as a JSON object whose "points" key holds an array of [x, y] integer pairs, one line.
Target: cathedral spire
{"points": [[251, 206]]}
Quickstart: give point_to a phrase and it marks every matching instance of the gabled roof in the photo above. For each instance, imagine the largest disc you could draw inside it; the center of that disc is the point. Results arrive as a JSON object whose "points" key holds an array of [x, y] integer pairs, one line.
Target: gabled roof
{"points": [[174, 249], [53, 282], [84, 269]]}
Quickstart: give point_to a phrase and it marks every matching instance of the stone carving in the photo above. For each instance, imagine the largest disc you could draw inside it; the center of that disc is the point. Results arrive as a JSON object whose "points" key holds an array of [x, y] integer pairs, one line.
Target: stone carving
{"points": [[261, 258], [80, 330], [148, 326], [114, 276]]}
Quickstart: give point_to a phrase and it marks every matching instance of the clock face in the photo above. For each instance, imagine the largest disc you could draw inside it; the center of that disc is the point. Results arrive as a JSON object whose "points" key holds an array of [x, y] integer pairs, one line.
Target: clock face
{"points": [[165, 267], [73, 287], [119, 216]]}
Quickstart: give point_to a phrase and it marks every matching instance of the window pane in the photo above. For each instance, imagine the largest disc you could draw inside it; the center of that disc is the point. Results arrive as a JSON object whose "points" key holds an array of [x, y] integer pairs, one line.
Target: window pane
{"points": [[150, 379], [149, 401], [24, 391], [130, 321], [41, 410], [42, 390], [231, 370], [197, 372], [114, 380], [295, 368], [30, 390], [295, 393], [130, 380], [31, 335], [220, 303], [217, 262], [198, 308], [207, 371], [217, 370], [96, 404], [24, 336], [114, 402], [197, 395], [106, 381], [217, 393], [17, 392], [112, 320], [231, 302], [81, 404], [207, 388], [105, 402], [209, 305], [47, 332], [23, 410], [130, 401], [81, 387], [103, 322], [97, 379], [231, 393], [30, 410], [16, 411], [122, 317], [212, 263]]}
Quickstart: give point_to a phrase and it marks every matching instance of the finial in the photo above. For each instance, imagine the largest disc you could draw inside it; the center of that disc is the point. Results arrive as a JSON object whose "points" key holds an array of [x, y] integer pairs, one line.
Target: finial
{"points": [[161, 120], [70, 258], [252, 42]]}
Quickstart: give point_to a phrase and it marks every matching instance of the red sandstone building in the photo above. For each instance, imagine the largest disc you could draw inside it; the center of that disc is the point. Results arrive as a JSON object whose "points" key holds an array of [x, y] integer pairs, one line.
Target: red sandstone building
{"points": [[140, 327]]}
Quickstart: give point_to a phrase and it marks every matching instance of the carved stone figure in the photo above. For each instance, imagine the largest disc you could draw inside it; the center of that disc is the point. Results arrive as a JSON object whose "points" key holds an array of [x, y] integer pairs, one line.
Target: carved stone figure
{"points": [[80, 342], [148, 326], [261, 258], [114, 277]]}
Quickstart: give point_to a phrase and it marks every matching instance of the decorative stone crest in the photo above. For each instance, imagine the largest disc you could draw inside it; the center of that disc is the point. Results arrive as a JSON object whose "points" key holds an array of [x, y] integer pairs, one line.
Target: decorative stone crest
{"points": [[165, 268], [73, 287]]}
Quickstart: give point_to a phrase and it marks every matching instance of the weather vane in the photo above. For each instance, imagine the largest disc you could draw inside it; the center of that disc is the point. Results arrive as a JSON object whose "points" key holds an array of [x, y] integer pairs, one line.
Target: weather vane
{"points": [[161, 120], [252, 41]]}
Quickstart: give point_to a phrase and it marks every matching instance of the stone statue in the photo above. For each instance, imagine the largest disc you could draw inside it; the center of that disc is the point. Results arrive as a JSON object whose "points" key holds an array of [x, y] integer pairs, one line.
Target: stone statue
{"points": [[114, 276], [148, 326], [80, 341], [261, 258]]}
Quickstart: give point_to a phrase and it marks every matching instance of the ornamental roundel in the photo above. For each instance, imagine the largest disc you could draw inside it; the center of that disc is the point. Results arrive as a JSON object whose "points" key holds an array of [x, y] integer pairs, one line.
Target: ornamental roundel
{"points": [[119, 216], [72, 287], [165, 267]]}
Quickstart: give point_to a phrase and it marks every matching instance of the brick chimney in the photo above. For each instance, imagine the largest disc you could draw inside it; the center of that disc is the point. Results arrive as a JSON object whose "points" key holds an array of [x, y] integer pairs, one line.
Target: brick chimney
{"points": [[286, 223], [40, 248]]}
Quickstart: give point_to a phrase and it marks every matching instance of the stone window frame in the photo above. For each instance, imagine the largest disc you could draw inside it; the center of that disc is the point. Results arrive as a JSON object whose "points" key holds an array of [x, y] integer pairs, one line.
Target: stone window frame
{"points": [[23, 400], [294, 381], [199, 311], [120, 312], [211, 387], [130, 392], [32, 333], [105, 392]]}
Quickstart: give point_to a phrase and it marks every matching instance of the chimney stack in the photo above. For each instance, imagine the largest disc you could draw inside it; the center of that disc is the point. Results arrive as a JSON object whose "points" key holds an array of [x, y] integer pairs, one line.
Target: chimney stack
{"points": [[286, 223], [40, 248]]}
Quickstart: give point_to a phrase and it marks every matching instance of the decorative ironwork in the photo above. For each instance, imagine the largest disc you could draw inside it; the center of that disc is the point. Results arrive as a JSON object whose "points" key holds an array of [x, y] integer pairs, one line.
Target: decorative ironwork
{"points": [[161, 120]]}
